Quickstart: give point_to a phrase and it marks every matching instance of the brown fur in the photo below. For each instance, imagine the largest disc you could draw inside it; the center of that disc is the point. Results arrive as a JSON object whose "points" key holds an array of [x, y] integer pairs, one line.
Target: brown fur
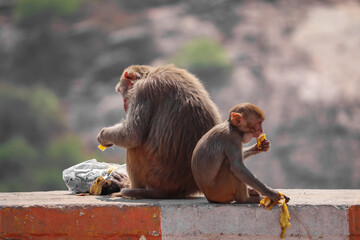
{"points": [[217, 161], [168, 112]]}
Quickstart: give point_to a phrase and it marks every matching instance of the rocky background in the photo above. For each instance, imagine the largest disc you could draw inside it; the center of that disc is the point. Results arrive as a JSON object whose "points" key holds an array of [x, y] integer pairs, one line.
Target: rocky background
{"points": [[297, 59]]}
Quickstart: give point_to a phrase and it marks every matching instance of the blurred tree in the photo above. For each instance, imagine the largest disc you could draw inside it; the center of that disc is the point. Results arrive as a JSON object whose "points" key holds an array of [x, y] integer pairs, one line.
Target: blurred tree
{"points": [[142, 5], [34, 114], [207, 59], [45, 60], [60, 154], [41, 51], [18, 159], [222, 13], [35, 144], [25, 9], [64, 151]]}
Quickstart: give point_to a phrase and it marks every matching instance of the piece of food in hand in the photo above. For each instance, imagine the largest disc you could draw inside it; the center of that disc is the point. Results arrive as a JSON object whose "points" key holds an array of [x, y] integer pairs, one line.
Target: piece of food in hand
{"points": [[267, 203], [101, 147], [259, 140], [97, 185], [112, 182]]}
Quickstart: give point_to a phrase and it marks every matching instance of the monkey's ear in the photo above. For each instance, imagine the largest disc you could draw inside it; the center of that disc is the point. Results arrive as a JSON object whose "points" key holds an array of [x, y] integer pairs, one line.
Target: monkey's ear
{"points": [[236, 119], [130, 76]]}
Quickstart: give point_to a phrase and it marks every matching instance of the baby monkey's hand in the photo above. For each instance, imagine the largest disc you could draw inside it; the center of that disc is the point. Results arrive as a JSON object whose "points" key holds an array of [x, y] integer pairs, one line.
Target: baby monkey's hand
{"points": [[264, 146]]}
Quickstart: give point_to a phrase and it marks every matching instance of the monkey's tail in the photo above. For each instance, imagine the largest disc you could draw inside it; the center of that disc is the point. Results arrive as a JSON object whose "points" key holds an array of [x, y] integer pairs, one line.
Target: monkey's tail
{"points": [[141, 193]]}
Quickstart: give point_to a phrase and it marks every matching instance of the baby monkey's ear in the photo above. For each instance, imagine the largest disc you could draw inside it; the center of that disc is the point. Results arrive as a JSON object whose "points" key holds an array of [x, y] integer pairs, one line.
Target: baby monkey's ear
{"points": [[236, 119]]}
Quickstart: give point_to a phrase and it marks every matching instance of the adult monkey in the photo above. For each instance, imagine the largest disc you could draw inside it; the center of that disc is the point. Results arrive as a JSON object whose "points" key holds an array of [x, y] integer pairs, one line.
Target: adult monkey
{"points": [[168, 111]]}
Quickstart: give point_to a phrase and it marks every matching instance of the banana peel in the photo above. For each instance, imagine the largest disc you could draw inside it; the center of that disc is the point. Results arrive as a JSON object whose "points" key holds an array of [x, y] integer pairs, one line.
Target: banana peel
{"points": [[97, 185], [99, 182], [284, 218], [284, 211]]}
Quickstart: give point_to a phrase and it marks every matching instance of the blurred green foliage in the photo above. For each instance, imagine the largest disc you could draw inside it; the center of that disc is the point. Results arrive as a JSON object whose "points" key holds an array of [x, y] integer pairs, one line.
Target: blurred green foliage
{"points": [[64, 151], [207, 59], [35, 144], [29, 8], [17, 158], [202, 52], [34, 114]]}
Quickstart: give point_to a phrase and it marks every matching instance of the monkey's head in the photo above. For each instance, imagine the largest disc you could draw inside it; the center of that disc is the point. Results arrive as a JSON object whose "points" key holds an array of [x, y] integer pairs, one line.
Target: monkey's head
{"points": [[247, 118], [128, 79]]}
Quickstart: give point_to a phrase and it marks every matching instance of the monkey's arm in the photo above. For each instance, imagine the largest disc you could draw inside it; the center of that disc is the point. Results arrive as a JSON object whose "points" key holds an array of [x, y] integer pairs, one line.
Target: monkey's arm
{"points": [[131, 132], [238, 168], [249, 151], [120, 134], [253, 150]]}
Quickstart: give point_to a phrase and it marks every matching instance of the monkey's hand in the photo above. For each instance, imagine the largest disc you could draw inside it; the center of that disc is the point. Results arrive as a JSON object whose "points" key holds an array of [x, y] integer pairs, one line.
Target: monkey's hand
{"points": [[254, 149], [274, 196], [103, 138], [269, 203], [263, 147]]}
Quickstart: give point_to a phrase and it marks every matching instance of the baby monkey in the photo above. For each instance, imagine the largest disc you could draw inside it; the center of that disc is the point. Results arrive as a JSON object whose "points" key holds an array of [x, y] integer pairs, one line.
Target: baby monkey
{"points": [[218, 158]]}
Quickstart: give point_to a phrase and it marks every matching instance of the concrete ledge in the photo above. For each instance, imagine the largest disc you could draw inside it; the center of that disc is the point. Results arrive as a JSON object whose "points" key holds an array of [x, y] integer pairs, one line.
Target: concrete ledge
{"points": [[315, 214]]}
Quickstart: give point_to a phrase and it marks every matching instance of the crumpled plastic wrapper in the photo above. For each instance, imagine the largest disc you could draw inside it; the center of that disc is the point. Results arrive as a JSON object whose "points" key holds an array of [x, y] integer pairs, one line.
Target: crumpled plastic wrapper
{"points": [[79, 177]]}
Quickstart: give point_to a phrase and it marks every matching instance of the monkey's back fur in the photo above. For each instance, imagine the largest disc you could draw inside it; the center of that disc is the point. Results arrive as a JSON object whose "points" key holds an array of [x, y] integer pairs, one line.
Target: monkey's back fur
{"points": [[176, 111]]}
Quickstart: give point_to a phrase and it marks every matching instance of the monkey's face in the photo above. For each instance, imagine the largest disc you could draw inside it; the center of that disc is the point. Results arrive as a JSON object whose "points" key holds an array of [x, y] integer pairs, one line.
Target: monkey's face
{"points": [[251, 128], [255, 126]]}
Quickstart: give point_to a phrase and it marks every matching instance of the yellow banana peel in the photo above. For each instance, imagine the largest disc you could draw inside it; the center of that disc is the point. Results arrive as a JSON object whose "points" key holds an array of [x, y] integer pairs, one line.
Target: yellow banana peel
{"points": [[284, 212], [284, 217], [267, 203], [97, 185], [99, 182]]}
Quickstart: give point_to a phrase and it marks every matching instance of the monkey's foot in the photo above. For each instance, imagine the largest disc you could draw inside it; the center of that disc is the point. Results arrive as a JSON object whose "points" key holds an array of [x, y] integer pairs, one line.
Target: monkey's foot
{"points": [[253, 192], [113, 184]]}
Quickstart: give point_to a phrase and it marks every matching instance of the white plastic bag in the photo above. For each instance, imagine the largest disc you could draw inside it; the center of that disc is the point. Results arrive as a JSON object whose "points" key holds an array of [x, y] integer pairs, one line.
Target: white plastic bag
{"points": [[78, 178]]}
